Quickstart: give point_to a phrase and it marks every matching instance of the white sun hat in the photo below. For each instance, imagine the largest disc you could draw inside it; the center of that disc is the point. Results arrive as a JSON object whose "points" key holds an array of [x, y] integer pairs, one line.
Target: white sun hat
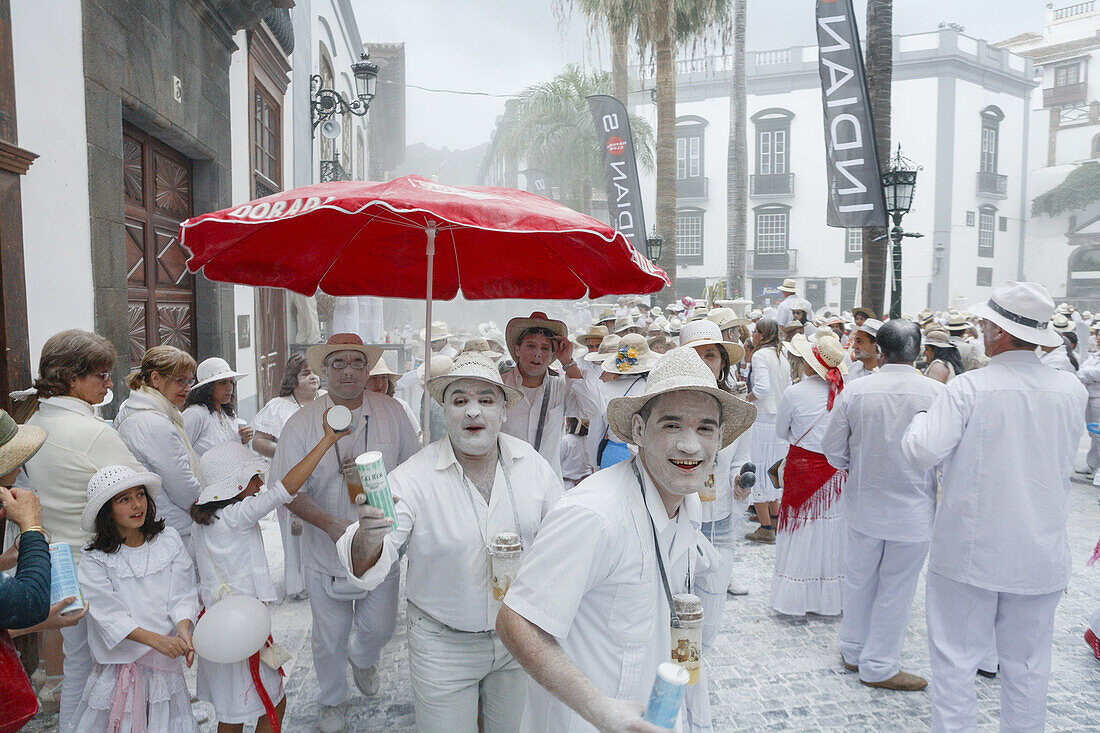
{"points": [[226, 470], [473, 365], [109, 482], [608, 346], [788, 286], [632, 357], [439, 366], [481, 346], [1061, 324], [822, 354], [870, 326], [1023, 309], [706, 332], [215, 369], [439, 331], [382, 369], [681, 369], [939, 338]]}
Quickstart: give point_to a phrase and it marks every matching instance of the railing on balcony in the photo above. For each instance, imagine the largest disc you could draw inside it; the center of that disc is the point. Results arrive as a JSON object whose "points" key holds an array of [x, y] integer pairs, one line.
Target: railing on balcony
{"points": [[992, 185], [1076, 9], [331, 170], [1086, 115], [1067, 95], [691, 188], [774, 262], [773, 184]]}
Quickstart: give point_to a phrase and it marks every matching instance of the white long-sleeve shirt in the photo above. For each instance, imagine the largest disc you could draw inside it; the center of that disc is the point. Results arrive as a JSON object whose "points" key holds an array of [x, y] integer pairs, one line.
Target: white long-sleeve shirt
{"points": [[801, 417], [1007, 435], [884, 497], [1089, 374], [624, 386], [727, 467], [577, 397], [1058, 358], [150, 587], [207, 429], [771, 376], [448, 565]]}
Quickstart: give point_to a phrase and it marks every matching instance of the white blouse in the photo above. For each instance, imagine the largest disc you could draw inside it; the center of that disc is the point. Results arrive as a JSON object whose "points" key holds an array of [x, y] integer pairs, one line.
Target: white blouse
{"points": [[274, 415], [207, 429], [150, 587]]}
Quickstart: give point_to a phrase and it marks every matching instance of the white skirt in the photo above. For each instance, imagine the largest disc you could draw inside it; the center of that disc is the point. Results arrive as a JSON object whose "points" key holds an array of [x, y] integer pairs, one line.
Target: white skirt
{"points": [[229, 688], [809, 576], [167, 702], [765, 449]]}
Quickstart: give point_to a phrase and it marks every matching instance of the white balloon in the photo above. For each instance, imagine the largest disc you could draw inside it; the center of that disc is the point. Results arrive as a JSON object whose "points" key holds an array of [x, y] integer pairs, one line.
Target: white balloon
{"points": [[232, 630]]}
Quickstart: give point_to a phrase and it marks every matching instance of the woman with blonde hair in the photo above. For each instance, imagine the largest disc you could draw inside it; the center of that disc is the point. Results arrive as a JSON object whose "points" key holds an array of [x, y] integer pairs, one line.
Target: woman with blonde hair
{"points": [[151, 425]]}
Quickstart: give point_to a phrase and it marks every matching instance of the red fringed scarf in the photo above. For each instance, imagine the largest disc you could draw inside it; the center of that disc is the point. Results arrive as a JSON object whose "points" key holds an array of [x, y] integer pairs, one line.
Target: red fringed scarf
{"points": [[810, 486], [832, 376]]}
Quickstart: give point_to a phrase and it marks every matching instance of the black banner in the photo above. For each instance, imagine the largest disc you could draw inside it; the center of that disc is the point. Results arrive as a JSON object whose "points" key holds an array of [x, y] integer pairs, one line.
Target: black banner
{"points": [[538, 181], [856, 198], [624, 198]]}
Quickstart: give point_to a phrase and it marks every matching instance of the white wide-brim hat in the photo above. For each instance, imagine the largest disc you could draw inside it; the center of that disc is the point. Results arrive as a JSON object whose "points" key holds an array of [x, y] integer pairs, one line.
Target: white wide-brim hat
{"points": [[682, 369], [227, 469], [608, 346], [726, 318], [1062, 324], [788, 286], [439, 331], [439, 366], [109, 482], [826, 346], [382, 369], [632, 357], [870, 326], [215, 369], [518, 326], [707, 332], [473, 365], [940, 339], [1023, 309]]}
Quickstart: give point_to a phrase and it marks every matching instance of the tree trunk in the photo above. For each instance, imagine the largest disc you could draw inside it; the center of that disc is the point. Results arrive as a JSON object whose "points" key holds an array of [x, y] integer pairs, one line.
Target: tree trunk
{"points": [[737, 165], [880, 72], [619, 52], [664, 53]]}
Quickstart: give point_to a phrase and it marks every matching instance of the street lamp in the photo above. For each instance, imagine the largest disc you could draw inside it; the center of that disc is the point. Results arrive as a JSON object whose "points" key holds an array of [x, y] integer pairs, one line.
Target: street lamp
{"points": [[324, 104], [653, 244], [898, 183]]}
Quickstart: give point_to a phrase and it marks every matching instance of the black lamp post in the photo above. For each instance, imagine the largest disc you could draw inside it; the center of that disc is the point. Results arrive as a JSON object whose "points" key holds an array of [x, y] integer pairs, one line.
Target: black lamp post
{"points": [[898, 183], [653, 244], [324, 104]]}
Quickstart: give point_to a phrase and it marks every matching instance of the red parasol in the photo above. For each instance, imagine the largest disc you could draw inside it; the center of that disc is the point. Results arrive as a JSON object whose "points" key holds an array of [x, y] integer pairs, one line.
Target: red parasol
{"points": [[415, 238]]}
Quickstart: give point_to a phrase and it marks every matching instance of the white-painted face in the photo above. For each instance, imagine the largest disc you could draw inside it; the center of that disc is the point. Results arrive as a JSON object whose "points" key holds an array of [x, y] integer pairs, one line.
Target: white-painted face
{"points": [[678, 442], [473, 411]]}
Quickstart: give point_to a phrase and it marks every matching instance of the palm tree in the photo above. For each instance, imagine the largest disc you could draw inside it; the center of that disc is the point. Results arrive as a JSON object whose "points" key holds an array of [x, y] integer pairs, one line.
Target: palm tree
{"points": [[550, 127], [737, 164], [880, 72], [619, 18]]}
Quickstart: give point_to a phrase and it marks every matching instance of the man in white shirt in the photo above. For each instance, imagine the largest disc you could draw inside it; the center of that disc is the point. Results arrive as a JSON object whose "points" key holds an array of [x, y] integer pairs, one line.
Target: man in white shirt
{"points": [[783, 310], [349, 624], [1007, 435], [888, 506], [864, 350], [539, 418], [455, 496], [589, 615]]}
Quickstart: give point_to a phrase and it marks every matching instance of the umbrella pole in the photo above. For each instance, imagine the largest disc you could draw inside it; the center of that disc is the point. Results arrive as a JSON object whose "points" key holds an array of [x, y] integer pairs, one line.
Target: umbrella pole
{"points": [[425, 407]]}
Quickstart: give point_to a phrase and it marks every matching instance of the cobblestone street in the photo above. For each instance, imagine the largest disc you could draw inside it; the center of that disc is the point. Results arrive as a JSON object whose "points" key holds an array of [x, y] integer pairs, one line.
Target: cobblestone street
{"points": [[768, 671]]}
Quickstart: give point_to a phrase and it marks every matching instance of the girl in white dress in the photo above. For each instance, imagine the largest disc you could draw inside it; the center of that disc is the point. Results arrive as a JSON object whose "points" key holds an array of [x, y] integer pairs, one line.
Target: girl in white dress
{"points": [[210, 415], [770, 377], [139, 584], [229, 553]]}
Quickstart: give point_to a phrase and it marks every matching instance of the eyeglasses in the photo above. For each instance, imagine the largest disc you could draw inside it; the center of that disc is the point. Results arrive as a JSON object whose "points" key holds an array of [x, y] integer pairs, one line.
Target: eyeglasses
{"points": [[340, 365], [185, 381], [103, 376]]}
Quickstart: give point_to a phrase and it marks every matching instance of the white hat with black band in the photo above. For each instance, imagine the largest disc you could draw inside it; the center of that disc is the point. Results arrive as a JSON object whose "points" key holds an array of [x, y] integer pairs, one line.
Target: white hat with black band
{"points": [[1023, 309]]}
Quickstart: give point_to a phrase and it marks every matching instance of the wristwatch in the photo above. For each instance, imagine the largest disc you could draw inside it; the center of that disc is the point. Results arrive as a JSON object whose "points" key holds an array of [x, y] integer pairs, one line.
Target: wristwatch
{"points": [[566, 367]]}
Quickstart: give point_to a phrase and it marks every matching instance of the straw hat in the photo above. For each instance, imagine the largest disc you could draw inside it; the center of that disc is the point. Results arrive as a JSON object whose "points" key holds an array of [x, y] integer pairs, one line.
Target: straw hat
{"points": [[956, 322], [608, 346], [214, 369], [681, 370], [473, 365], [740, 306], [726, 318], [440, 365], [867, 312], [607, 315], [593, 332], [517, 326], [674, 326], [788, 286], [439, 331], [939, 338], [706, 332], [1023, 309], [1061, 324], [659, 340], [109, 482], [632, 357], [18, 443], [622, 324], [821, 354], [480, 346], [871, 327], [227, 469], [317, 353], [382, 369]]}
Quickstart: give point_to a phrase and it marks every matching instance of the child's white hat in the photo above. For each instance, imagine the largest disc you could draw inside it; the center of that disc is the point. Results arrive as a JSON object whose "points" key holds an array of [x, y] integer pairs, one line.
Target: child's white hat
{"points": [[109, 482], [226, 471]]}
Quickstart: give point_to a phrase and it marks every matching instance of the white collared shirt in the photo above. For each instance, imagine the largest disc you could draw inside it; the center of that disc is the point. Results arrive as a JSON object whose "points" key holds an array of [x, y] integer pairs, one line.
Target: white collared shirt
{"points": [[448, 565], [771, 376], [884, 497], [727, 467], [1058, 359], [206, 429], [1007, 435], [856, 370], [574, 397], [1089, 374], [388, 430], [623, 386], [591, 580], [801, 417]]}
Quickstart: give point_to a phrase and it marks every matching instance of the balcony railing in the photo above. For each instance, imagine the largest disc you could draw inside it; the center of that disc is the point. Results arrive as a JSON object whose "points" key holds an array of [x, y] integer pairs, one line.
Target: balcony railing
{"points": [[1076, 9], [992, 185], [331, 170], [774, 184], [773, 262], [691, 188], [1068, 95]]}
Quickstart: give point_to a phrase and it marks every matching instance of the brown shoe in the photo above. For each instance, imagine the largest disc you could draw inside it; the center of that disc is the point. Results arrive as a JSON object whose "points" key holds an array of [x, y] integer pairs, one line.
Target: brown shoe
{"points": [[849, 667], [767, 536], [902, 681]]}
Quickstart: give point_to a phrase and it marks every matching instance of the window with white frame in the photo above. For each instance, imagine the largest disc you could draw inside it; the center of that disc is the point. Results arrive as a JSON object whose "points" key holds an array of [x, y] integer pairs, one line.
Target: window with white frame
{"points": [[772, 231], [991, 126], [689, 234], [771, 147], [987, 217], [689, 148], [854, 241], [1067, 75]]}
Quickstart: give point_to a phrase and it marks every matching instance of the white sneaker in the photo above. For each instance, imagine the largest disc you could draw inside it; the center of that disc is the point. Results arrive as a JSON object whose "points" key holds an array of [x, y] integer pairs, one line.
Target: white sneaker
{"points": [[737, 590], [366, 679], [331, 719]]}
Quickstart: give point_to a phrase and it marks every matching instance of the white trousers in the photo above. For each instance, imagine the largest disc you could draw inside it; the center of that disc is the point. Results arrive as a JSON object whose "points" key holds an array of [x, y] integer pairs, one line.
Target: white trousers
{"points": [[961, 620], [1092, 414], [78, 666], [349, 630], [293, 561], [880, 578], [454, 673]]}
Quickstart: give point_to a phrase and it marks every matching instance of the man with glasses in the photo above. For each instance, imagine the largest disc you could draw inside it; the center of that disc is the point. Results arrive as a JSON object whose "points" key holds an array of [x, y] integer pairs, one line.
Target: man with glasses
{"points": [[349, 624]]}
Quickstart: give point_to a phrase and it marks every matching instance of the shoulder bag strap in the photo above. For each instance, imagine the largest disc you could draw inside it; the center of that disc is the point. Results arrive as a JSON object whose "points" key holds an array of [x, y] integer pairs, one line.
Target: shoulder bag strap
{"points": [[546, 383]]}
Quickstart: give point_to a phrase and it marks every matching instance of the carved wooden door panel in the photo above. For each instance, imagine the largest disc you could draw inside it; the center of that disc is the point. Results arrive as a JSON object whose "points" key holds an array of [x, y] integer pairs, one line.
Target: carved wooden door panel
{"points": [[161, 293]]}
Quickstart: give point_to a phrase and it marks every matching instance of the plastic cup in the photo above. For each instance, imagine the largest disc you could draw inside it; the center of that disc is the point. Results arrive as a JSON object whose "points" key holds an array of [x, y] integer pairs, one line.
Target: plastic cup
{"points": [[505, 557]]}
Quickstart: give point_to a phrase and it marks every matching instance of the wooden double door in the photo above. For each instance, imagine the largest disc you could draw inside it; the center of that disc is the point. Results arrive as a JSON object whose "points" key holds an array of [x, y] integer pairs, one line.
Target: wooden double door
{"points": [[157, 190]]}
